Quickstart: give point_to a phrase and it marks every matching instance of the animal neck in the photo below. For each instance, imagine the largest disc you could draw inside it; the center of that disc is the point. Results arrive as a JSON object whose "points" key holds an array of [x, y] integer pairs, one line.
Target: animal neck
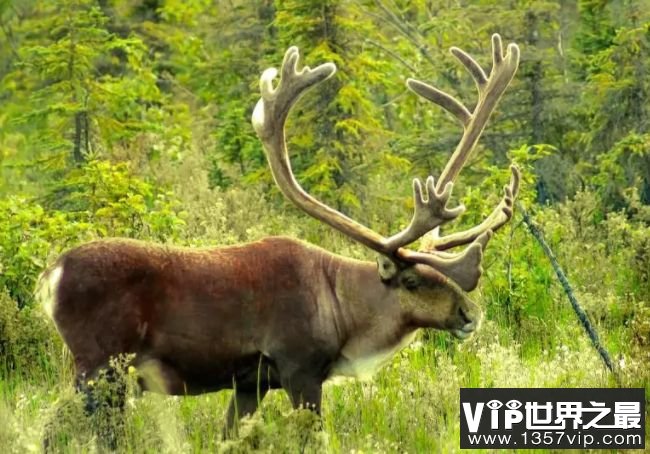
{"points": [[369, 310], [368, 317]]}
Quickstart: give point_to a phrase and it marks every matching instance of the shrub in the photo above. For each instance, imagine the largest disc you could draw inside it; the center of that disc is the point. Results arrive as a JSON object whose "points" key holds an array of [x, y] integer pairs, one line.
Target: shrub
{"points": [[97, 200], [27, 340]]}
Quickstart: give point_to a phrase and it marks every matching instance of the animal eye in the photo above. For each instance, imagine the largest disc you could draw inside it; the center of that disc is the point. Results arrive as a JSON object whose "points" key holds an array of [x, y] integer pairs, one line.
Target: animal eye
{"points": [[494, 404], [410, 282], [513, 404]]}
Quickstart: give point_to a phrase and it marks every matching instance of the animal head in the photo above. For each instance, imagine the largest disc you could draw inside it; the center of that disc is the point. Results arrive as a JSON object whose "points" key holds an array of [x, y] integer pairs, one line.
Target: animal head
{"points": [[429, 299]]}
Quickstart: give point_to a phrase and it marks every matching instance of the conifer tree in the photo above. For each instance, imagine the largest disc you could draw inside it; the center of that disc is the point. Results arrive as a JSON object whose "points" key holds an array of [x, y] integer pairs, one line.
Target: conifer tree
{"points": [[615, 41], [75, 89]]}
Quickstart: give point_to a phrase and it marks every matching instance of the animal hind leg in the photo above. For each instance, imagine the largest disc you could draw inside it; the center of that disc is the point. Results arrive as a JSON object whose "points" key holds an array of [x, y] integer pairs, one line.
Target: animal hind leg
{"points": [[104, 393], [304, 391], [242, 403]]}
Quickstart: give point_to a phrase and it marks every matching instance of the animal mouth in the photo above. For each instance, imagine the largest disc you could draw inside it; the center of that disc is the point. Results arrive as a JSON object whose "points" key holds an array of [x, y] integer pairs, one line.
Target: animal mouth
{"points": [[464, 332], [461, 334]]}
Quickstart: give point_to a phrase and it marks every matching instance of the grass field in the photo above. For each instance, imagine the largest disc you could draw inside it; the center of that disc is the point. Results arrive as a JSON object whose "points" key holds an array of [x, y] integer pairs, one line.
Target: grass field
{"points": [[410, 406], [530, 338]]}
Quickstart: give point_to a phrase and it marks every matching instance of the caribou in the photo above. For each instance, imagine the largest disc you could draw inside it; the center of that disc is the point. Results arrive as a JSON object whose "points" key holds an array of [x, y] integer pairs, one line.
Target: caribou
{"points": [[282, 313]]}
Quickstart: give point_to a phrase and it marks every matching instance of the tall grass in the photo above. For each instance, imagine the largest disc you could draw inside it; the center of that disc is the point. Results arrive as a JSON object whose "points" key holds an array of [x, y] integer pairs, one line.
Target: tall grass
{"points": [[410, 406], [530, 338]]}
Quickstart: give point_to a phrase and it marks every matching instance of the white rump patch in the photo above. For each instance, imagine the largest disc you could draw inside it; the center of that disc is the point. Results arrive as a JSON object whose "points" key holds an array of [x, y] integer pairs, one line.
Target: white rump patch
{"points": [[46, 290]]}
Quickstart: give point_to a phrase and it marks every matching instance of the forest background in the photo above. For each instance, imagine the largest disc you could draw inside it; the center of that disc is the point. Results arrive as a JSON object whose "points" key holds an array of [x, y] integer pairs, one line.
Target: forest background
{"points": [[132, 118]]}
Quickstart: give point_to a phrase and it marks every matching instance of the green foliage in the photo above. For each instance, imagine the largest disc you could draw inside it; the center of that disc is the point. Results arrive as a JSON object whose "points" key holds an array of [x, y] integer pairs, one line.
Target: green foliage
{"points": [[496, 176], [105, 427], [28, 236], [27, 341], [623, 167], [596, 31], [76, 90], [296, 431], [87, 85], [96, 200], [616, 104], [521, 285], [132, 118], [115, 203]]}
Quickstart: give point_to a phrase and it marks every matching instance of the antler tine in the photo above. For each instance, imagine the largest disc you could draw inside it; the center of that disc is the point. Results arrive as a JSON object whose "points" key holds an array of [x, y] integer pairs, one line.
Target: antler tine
{"points": [[444, 100], [463, 268], [490, 91], [501, 214], [497, 49], [274, 106], [472, 66], [430, 211]]}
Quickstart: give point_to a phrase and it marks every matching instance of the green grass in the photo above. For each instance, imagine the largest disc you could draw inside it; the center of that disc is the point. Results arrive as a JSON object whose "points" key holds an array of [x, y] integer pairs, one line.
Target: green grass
{"points": [[410, 406], [530, 338]]}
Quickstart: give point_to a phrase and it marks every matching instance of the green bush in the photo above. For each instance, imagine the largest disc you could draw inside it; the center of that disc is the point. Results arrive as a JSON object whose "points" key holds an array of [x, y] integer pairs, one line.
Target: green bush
{"points": [[96, 200], [27, 341], [114, 202], [28, 236]]}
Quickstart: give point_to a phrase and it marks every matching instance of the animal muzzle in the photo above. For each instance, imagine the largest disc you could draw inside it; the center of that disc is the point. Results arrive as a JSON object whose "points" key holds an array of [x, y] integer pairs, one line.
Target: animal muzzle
{"points": [[471, 324]]}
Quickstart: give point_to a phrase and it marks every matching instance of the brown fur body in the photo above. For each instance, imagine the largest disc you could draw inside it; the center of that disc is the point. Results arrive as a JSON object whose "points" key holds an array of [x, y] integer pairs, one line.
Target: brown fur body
{"points": [[274, 313]]}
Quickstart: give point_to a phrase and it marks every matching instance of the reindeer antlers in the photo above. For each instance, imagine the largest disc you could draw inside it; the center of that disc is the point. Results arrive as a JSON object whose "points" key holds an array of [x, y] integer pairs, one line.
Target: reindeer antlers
{"points": [[430, 199], [499, 216]]}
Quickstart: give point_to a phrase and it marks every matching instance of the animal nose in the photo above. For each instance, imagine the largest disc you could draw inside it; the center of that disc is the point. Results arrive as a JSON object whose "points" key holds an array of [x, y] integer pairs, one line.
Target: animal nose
{"points": [[464, 316], [469, 321]]}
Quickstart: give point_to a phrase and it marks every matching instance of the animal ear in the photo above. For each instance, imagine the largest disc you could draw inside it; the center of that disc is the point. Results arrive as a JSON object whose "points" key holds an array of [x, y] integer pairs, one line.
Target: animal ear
{"points": [[387, 268]]}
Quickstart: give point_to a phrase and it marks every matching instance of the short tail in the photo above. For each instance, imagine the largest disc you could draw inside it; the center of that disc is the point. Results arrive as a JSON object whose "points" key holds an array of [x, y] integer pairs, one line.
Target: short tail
{"points": [[47, 289]]}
